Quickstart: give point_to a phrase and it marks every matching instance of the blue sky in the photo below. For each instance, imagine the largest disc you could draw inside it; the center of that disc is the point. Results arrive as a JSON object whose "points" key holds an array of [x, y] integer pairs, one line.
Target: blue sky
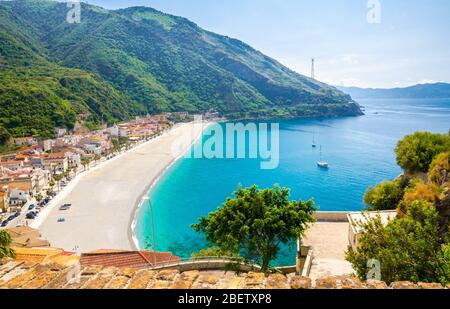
{"points": [[410, 45]]}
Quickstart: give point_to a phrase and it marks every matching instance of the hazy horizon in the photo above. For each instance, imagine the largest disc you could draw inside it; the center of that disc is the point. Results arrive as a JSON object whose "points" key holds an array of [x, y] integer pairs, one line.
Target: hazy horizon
{"points": [[407, 47]]}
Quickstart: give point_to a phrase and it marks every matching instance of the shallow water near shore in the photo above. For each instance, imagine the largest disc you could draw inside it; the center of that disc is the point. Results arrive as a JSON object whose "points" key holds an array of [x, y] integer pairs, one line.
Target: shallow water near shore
{"points": [[359, 150]]}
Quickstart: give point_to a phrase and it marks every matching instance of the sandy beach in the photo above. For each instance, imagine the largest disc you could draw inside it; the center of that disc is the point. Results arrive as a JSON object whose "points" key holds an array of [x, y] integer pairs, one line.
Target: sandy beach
{"points": [[104, 199]]}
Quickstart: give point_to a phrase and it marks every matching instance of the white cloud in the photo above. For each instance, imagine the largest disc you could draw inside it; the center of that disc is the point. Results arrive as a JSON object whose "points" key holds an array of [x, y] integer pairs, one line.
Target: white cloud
{"points": [[350, 59]]}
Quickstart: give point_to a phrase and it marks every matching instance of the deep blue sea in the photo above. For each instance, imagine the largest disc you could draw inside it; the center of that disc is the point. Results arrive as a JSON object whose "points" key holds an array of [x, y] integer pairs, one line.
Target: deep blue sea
{"points": [[359, 150]]}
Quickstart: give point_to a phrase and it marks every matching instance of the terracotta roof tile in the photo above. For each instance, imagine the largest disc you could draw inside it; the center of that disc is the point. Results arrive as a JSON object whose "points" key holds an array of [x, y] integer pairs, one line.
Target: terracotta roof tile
{"points": [[133, 259]]}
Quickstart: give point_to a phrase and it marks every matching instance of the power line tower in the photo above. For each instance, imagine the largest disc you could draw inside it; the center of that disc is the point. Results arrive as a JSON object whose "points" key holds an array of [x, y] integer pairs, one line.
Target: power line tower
{"points": [[312, 69]]}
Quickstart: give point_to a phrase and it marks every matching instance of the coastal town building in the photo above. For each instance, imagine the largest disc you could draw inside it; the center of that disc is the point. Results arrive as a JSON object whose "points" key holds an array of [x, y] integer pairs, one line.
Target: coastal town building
{"points": [[28, 170], [17, 197], [12, 165], [29, 140], [124, 130], [60, 132], [58, 162], [73, 159], [46, 145], [113, 131]]}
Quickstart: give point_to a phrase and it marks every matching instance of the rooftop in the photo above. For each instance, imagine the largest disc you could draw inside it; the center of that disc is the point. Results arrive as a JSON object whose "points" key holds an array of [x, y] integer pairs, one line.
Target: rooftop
{"points": [[62, 272], [121, 258], [357, 219]]}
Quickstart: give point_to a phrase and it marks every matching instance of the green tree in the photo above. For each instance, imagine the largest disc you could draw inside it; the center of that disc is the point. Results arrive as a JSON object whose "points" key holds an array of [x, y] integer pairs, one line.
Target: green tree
{"points": [[58, 178], [214, 252], [416, 152], [97, 158], [385, 196], [49, 192], [5, 136], [254, 223], [39, 197], [408, 248], [439, 172], [85, 162], [5, 242], [51, 183]]}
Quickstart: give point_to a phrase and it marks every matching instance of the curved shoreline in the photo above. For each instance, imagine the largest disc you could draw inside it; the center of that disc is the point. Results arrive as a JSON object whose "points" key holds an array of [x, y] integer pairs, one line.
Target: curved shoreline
{"points": [[134, 241], [106, 199]]}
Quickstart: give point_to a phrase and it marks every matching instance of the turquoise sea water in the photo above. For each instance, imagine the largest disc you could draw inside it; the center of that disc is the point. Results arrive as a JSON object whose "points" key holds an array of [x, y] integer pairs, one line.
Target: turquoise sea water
{"points": [[359, 150]]}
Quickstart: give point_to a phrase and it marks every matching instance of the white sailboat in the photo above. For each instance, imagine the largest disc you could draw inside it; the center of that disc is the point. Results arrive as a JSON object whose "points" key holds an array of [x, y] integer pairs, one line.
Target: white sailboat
{"points": [[322, 163]]}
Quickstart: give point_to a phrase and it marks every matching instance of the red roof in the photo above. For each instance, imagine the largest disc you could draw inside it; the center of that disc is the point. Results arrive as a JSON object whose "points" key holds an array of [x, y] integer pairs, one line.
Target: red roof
{"points": [[10, 162], [133, 259]]}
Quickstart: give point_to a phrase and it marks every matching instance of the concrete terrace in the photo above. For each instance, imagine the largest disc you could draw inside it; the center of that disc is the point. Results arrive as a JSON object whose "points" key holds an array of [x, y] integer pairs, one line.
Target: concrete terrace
{"points": [[329, 241]]}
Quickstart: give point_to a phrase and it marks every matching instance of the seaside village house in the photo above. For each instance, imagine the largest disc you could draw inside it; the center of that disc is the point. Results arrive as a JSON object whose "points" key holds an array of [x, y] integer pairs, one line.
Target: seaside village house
{"points": [[93, 145], [60, 132], [46, 145], [57, 162], [20, 187], [24, 141]]}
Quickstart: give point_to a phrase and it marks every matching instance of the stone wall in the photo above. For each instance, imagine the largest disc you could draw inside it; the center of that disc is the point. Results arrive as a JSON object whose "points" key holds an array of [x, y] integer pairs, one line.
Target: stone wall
{"points": [[62, 273]]}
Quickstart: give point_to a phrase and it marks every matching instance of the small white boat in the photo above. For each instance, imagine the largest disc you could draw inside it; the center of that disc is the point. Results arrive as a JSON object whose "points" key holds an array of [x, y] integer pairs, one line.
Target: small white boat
{"points": [[321, 163]]}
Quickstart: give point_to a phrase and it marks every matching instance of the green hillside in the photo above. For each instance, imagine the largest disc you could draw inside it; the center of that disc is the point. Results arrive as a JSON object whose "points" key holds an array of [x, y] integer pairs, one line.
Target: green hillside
{"points": [[117, 64]]}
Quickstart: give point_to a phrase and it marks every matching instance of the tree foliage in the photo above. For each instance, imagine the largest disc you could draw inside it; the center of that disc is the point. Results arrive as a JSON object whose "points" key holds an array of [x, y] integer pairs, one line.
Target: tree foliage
{"points": [[408, 248], [386, 195], [416, 152], [440, 169], [254, 223], [5, 242], [415, 245]]}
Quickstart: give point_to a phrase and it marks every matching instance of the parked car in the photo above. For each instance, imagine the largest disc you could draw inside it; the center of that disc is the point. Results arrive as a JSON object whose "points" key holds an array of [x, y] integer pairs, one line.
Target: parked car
{"points": [[30, 215], [63, 207], [5, 223], [31, 207], [17, 214], [61, 219], [10, 218]]}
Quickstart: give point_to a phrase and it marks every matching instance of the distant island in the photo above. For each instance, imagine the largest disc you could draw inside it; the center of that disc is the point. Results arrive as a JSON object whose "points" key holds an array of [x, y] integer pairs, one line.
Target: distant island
{"points": [[421, 91], [117, 64]]}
